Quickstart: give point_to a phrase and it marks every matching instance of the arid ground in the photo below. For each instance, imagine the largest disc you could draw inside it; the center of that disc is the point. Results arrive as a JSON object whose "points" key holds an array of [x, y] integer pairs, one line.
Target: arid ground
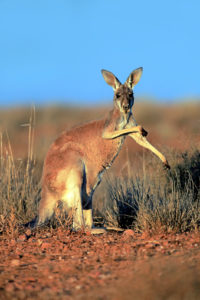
{"points": [[56, 264], [155, 256]]}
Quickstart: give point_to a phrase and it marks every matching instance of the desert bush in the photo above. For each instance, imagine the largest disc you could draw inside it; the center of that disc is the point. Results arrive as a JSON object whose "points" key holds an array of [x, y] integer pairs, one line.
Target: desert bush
{"points": [[187, 172], [19, 189], [155, 205], [119, 205], [174, 211], [19, 186], [144, 204]]}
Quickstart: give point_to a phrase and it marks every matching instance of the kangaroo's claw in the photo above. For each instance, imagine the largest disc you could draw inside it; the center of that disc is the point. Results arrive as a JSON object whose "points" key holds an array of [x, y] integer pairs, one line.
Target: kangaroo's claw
{"points": [[144, 132], [166, 166]]}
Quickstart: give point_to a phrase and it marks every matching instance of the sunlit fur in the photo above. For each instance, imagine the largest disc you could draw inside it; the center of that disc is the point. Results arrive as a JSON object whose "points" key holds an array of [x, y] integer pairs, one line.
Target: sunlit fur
{"points": [[76, 161]]}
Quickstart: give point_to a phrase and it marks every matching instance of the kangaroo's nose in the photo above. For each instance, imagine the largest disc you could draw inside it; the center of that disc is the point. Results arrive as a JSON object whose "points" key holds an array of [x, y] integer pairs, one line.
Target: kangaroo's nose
{"points": [[126, 106]]}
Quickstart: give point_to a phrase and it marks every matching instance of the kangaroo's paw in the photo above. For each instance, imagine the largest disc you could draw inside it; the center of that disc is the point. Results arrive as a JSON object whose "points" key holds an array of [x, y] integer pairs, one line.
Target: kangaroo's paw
{"points": [[143, 132], [166, 165]]}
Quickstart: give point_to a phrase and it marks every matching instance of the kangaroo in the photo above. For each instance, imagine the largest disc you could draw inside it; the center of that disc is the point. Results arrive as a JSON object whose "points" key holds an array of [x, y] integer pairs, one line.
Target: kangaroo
{"points": [[76, 161]]}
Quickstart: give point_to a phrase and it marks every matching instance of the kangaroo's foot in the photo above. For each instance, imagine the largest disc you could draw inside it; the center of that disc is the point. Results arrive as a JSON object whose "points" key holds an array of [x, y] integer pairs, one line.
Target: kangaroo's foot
{"points": [[113, 228], [94, 230], [97, 230]]}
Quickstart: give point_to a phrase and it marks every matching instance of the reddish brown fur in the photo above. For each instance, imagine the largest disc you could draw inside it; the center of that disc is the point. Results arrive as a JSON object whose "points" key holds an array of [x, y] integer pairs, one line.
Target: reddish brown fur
{"points": [[87, 142], [76, 160]]}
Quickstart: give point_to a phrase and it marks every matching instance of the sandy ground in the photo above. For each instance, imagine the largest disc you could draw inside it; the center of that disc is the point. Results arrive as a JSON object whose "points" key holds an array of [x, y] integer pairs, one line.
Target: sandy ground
{"points": [[57, 264]]}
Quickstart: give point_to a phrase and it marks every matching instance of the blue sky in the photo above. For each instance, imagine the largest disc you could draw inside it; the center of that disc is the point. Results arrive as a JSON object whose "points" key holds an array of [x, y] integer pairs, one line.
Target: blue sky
{"points": [[54, 50]]}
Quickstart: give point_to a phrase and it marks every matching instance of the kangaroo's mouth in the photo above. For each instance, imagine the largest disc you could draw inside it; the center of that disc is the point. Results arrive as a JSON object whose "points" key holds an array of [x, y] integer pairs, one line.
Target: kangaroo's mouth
{"points": [[126, 110]]}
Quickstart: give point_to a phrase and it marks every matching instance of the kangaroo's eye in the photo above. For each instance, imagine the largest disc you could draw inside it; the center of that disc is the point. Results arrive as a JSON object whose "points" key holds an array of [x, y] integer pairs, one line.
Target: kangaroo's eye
{"points": [[118, 95]]}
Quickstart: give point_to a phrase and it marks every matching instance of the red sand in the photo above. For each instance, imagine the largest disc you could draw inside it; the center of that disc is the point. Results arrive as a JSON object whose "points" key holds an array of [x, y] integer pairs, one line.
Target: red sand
{"points": [[57, 264]]}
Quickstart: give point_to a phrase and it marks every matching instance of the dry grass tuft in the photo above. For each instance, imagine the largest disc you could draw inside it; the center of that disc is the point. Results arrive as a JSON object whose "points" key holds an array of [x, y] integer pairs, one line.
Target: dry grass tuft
{"points": [[154, 205], [19, 188]]}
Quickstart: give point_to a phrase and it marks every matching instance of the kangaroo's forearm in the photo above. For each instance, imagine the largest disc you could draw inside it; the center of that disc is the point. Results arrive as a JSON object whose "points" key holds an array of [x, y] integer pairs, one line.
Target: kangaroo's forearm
{"points": [[142, 141], [118, 133]]}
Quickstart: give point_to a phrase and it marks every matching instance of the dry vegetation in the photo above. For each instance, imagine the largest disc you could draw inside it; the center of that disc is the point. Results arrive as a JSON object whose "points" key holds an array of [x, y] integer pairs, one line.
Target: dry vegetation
{"points": [[137, 193]]}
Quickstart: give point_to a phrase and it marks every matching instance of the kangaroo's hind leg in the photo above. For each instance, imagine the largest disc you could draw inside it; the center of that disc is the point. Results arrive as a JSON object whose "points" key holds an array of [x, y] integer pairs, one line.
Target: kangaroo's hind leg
{"points": [[72, 194], [87, 210], [46, 207], [87, 214], [72, 201]]}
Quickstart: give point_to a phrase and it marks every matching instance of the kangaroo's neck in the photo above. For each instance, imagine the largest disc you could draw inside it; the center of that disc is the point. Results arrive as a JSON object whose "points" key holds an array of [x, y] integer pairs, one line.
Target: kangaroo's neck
{"points": [[116, 120]]}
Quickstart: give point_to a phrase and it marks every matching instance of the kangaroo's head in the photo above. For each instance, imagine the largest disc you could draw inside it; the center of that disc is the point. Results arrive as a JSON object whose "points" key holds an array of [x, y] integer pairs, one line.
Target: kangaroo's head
{"points": [[123, 93]]}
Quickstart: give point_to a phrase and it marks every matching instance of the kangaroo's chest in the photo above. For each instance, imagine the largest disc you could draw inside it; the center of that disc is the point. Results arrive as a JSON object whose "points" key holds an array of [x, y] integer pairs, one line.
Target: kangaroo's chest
{"points": [[112, 152], [107, 152]]}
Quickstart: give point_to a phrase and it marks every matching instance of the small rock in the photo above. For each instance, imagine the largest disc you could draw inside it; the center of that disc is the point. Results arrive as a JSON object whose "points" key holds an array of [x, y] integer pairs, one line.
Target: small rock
{"points": [[31, 279], [28, 232], [45, 245], [72, 280], [88, 233], [9, 287], [39, 241], [78, 287], [150, 246], [128, 232], [22, 238], [15, 262], [12, 242]]}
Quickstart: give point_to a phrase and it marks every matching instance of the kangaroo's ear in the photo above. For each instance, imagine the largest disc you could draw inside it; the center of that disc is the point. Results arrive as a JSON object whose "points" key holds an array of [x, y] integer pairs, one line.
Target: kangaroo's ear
{"points": [[111, 79], [134, 77]]}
